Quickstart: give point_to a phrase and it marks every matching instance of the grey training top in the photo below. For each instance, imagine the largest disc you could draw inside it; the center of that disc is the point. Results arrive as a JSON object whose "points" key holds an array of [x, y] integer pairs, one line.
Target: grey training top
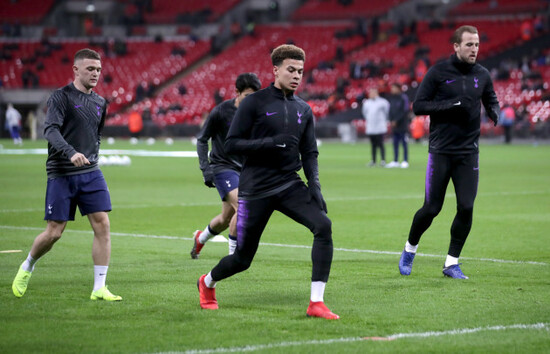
{"points": [[74, 122]]}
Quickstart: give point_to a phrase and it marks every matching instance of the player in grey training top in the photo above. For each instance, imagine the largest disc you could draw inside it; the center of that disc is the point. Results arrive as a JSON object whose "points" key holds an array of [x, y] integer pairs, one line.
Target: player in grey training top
{"points": [[74, 121], [76, 117]]}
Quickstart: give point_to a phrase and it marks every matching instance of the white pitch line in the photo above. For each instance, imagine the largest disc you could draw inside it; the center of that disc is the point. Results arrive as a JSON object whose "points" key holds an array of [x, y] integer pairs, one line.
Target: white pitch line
{"points": [[351, 250], [11, 251], [460, 331]]}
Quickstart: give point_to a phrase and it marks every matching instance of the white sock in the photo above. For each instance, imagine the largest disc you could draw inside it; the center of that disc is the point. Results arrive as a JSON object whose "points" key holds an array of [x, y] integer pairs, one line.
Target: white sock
{"points": [[317, 290], [450, 261], [206, 235], [410, 248], [209, 281], [100, 274], [232, 244], [28, 264]]}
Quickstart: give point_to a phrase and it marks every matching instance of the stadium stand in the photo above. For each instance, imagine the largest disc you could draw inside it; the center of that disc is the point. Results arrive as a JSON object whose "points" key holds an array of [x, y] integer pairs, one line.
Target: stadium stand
{"points": [[342, 9], [501, 7], [167, 11], [143, 61], [350, 48], [24, 12]]}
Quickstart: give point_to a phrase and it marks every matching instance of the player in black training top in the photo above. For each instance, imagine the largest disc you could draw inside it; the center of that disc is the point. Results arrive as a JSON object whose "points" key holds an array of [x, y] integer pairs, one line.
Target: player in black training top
{"points": [[451, 93], [74, 122], [274, 130], [220, 169]]}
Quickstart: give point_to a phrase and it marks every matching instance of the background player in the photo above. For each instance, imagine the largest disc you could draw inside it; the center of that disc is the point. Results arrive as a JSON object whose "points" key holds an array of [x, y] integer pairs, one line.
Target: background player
{"points": [[219, 169]]}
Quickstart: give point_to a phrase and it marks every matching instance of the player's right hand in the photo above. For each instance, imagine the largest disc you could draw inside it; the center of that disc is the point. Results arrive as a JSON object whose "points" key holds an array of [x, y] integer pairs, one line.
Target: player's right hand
{"points": [[208, 177], [79, 160], [285, 141]]}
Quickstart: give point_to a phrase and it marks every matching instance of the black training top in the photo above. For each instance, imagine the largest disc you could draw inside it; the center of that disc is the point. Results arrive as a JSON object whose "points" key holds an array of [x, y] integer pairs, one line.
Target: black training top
{"points": [[268, 169], [216, 127], [74, 122], [450, 93]]}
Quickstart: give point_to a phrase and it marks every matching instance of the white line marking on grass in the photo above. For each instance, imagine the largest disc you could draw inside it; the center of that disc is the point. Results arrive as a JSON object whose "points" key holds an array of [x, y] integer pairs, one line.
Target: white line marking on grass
{"points": [[11, 251], [353, 250], [251, 348]]}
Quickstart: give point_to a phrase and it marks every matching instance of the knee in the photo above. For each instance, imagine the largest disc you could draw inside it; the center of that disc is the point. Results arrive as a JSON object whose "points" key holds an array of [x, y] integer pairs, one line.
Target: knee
{"points": [[323, 229], [465, 210], [431, 210], [102, 225], [53, 235]]}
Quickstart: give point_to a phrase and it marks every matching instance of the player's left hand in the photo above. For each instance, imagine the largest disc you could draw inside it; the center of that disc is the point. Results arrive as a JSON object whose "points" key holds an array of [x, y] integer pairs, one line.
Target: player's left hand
{"points": [[79, 160], [494, 118], [208, 177], [315, 194]]}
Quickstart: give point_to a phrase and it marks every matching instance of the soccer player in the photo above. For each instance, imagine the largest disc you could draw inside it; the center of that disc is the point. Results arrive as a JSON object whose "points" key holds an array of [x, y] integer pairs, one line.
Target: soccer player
{"points": [[399, 120], [222, 170], [375, 110], [74, 122], [451, 93], [273, 128]]}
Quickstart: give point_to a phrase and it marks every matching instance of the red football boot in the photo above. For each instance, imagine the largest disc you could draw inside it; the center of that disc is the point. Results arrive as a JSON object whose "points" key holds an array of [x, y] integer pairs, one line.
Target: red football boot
{"points": [[318, 309], [207, 296], [197, 246]]}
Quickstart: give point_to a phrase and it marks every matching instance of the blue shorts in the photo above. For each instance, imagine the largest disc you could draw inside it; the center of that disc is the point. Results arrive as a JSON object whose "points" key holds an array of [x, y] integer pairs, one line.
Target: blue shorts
{"points": [[226, 181], [87, 190]]}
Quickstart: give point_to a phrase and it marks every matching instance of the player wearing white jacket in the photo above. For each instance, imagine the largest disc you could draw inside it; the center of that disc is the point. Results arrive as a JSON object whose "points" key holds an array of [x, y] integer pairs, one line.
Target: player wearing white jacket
{"points": [[376, 111]]}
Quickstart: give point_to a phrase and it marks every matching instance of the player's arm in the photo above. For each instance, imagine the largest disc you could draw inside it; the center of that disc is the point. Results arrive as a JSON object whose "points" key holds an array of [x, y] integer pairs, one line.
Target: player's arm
{"points": [[309, 154], [202, 147], [424, 103], [102, 123], [55, 115], [238, 137], [490, 102]]}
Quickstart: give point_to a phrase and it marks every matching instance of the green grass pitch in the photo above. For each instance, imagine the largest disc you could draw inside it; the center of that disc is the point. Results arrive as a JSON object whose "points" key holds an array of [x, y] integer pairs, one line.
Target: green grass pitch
{"points": [[159, 201]]}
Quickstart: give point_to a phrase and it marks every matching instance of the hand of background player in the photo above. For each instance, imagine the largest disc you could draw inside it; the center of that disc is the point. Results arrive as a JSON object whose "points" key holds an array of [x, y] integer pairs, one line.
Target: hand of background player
{"points": [[315, 194], [208, 177], [79, 160], [285, 141]]}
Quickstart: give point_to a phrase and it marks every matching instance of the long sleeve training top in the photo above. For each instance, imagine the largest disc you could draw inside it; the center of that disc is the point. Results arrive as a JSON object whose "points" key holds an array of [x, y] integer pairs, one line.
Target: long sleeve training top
{"points": [[268, 168], [74, 121], [451, 93]]}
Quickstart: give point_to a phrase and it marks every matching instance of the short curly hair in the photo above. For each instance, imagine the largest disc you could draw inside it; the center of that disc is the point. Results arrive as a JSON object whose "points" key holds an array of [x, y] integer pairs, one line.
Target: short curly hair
{"points": [[287, 51]]}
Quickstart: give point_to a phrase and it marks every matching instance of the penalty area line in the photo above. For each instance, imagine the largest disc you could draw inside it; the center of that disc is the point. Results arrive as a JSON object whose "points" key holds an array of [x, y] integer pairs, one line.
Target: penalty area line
{"points": [[392, 337]]}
